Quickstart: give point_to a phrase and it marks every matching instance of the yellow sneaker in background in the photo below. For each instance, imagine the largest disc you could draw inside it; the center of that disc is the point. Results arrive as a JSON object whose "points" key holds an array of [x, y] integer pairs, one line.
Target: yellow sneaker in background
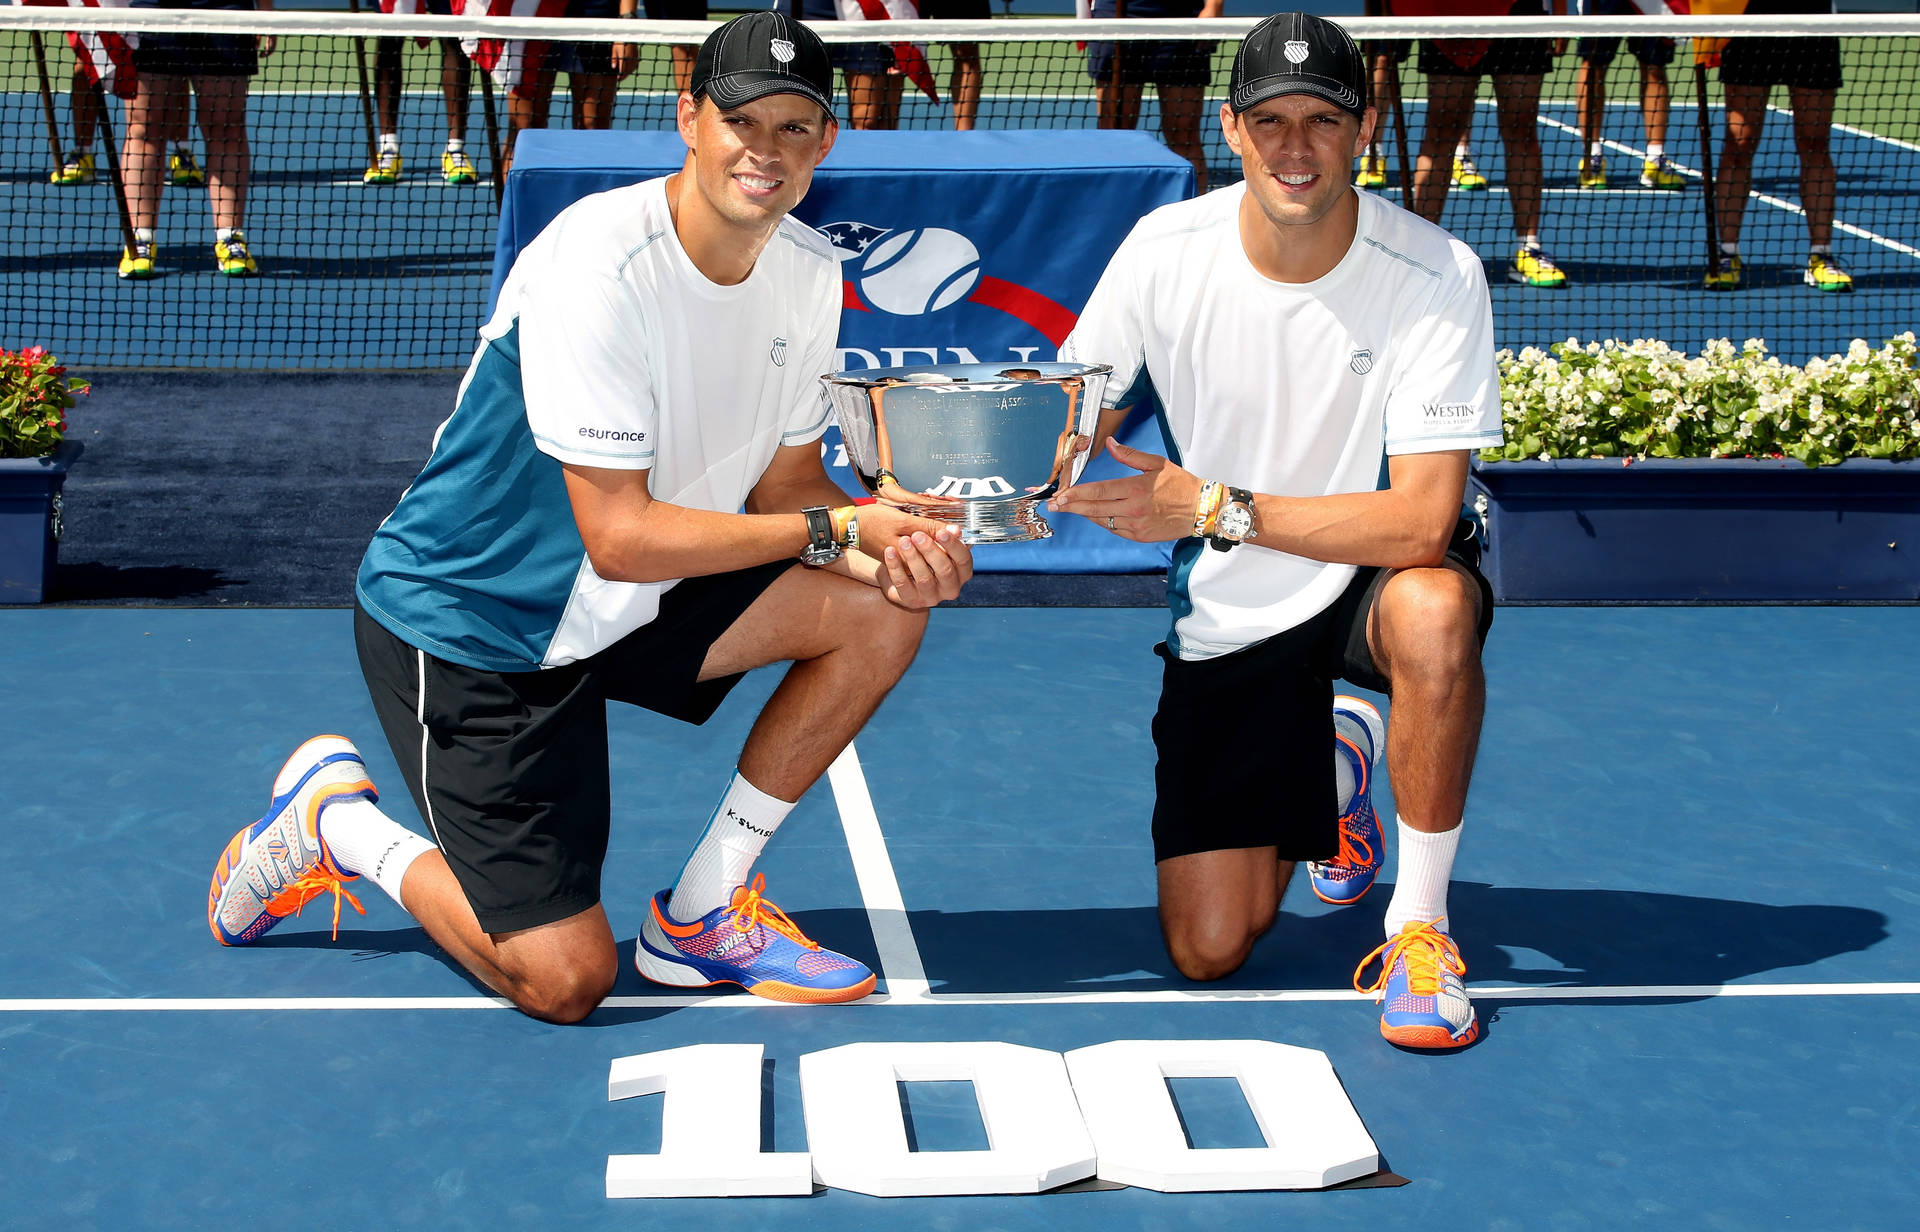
{"points": [[183, 170], [457, 168], [1660, 173], [1826, 274], [138, 261], [1467, 177], [385, 170], [1726, 278], [1533, 267], [232, 257], [74, 172]]}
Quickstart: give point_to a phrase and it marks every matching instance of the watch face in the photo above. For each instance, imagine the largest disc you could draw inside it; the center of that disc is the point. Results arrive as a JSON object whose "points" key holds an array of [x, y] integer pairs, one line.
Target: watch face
{"points": [[1235, 522]]}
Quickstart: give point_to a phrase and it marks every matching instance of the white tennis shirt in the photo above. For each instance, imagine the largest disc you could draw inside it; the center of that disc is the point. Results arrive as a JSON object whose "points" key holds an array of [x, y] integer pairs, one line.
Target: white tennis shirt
{"points": [[608, 348], [1296, 389]]}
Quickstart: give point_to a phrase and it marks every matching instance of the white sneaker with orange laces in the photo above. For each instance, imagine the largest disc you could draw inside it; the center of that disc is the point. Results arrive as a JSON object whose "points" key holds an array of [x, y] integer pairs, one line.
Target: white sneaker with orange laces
{"points": [[749, 942], [1423, 996], [274, 867]]}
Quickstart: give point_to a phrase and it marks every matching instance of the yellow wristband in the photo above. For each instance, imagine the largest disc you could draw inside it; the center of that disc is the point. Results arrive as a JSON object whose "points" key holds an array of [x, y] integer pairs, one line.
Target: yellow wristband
{"points": [[1207, 508]]}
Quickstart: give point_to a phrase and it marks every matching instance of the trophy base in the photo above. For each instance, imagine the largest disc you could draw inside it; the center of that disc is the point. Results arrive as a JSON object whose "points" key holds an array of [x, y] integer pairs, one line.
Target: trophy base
{"points": [[991, 521]]}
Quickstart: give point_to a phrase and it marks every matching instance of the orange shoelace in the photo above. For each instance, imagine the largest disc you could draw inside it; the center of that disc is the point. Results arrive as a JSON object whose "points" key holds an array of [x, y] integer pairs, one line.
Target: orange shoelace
{"points": [[750, 910], [315, 882], [1426, 950], [1355, 852]]}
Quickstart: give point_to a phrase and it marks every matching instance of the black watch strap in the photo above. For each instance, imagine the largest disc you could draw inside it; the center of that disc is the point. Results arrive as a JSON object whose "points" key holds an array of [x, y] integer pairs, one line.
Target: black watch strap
{"points": [[822, 544], [1222, 542]]}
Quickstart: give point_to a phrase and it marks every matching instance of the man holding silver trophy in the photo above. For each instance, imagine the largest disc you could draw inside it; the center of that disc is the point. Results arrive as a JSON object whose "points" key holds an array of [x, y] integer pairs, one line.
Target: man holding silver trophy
{"points": [[577, 536], [1299, 335]]}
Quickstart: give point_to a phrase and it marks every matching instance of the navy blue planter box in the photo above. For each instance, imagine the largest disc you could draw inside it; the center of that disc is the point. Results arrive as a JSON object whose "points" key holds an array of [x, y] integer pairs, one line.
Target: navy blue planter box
{"points": [[30, 521], [1724, 530]]}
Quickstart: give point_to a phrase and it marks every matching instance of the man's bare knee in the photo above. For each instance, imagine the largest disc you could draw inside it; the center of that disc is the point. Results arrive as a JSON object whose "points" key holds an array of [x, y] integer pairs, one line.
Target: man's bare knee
{"points": [[1209, 953], [565, 994], [888, 633]]}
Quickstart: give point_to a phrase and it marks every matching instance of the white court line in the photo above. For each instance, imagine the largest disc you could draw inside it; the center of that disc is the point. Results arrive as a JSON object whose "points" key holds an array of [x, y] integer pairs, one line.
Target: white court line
{"points": [[920, 997], [900, 963]]}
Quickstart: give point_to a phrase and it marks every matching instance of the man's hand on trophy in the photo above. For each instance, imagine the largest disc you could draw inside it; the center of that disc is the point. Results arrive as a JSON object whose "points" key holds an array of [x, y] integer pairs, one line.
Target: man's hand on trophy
{"points": [[1153, 506]]}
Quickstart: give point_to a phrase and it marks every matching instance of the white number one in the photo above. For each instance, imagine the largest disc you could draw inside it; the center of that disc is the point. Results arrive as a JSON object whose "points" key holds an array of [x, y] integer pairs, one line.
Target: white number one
{"points": [[711, 1119], [1035, 1137], [1314, 1137]]}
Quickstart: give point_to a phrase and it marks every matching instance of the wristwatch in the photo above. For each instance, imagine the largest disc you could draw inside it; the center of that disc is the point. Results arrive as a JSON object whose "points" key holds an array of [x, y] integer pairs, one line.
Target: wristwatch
{"points": [[1234, 524], [823, 546]]}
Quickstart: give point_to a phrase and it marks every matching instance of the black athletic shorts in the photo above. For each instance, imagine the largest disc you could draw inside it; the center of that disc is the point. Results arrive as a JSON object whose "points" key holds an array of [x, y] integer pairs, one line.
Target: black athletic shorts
{"points": [[198, 55], [1810, 63], [509, 769], [1649, 51], [676, 10], [956, 10], [1522, 57], [1174, 62], [1245, 740]]}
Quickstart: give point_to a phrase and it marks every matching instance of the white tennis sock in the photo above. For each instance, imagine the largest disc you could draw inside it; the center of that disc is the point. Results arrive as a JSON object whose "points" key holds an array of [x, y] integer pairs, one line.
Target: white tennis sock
{"points": [[389, 143], [1655, 151], [366, 841], [744, 820], [1425, 869]]}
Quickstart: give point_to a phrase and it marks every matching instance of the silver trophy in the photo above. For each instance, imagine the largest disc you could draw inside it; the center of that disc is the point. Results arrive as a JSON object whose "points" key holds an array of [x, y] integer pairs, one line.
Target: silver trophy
{"points": [[977, 445]]}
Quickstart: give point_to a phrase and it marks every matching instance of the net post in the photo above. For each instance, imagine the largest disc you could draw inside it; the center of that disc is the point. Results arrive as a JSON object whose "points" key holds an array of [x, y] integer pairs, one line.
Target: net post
{"points": [[46, 99], [495, 170], [111, 145], [1706, 164], [366, 97]]}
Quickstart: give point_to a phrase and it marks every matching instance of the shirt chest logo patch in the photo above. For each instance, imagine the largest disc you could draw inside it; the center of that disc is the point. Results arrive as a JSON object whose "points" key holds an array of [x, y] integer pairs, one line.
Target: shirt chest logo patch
{"points": [[779, 353], [1361, 361]]}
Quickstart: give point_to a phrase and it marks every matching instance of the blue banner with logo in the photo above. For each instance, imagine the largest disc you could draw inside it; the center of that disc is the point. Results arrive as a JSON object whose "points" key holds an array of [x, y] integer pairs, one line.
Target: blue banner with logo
{"points": [[954, 248]]}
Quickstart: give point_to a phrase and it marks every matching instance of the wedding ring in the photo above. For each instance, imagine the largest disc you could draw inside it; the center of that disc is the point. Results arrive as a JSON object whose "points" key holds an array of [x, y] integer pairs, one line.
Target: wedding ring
{"points": [[1109, 523]]}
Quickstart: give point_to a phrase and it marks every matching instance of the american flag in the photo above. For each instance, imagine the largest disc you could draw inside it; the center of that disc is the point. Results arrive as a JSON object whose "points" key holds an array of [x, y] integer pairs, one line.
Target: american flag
{"points": [[909, 58], [106, 58], [509, 61]]}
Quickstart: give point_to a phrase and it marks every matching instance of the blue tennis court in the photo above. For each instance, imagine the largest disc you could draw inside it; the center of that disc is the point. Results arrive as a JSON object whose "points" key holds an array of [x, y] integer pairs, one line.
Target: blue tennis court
{"points": [[1687, 894]]}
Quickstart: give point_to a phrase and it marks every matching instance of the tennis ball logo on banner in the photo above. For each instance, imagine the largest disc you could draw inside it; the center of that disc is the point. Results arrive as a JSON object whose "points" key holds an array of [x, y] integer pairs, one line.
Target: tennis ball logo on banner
{"points": [[917, 271], [920, 272]]}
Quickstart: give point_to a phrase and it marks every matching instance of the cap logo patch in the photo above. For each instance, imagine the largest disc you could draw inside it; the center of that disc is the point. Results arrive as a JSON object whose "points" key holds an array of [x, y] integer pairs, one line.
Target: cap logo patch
{"points": [[1296, 51], [782, 51]]}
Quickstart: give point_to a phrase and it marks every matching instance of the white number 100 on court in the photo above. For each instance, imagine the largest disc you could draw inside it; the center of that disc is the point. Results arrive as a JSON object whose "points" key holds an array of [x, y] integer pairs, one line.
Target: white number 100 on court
{"points": [[1050, 1119]]}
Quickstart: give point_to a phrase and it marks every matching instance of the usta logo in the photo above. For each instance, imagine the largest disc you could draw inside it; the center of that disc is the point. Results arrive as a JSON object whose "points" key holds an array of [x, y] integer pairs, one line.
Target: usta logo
{"points": [[919, 271]]}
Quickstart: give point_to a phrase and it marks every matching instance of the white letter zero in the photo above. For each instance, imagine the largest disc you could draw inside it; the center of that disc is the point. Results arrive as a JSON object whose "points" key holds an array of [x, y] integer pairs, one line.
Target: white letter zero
{"points": [[1314, 1136], [1035, 1137]]}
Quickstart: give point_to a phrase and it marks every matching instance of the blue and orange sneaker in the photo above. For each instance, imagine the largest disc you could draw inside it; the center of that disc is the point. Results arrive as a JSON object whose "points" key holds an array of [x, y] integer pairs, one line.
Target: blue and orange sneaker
{"points": [[1423, 996], [277, 865], [1360, 736], [751, 943]]}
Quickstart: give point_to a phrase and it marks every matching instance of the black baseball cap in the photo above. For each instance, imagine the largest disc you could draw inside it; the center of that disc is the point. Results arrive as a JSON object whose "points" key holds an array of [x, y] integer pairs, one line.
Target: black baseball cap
{"points": [[1298, 53], [760, 54]]}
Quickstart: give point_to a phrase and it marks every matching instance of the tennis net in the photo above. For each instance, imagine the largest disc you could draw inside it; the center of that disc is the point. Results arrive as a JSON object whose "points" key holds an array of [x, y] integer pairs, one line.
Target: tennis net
{"points": [[366, 264]]}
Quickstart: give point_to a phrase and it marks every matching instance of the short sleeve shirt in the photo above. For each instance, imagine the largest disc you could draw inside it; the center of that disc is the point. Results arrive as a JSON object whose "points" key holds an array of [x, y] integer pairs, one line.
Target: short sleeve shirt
{"points": [[1296, 389], [609, 349]]}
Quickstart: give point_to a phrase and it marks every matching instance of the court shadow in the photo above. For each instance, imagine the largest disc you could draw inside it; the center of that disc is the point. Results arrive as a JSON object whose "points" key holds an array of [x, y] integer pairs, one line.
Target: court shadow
{"points": [[1533, 937], [95, 582]]}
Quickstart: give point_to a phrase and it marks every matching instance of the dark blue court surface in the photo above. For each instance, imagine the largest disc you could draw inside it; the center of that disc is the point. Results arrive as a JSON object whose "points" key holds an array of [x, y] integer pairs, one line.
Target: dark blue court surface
{"points": [[1688, 897]]}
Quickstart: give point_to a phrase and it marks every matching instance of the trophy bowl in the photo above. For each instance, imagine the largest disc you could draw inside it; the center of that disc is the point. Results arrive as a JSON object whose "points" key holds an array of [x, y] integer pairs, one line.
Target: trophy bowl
{"points": [[977, 445]]}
